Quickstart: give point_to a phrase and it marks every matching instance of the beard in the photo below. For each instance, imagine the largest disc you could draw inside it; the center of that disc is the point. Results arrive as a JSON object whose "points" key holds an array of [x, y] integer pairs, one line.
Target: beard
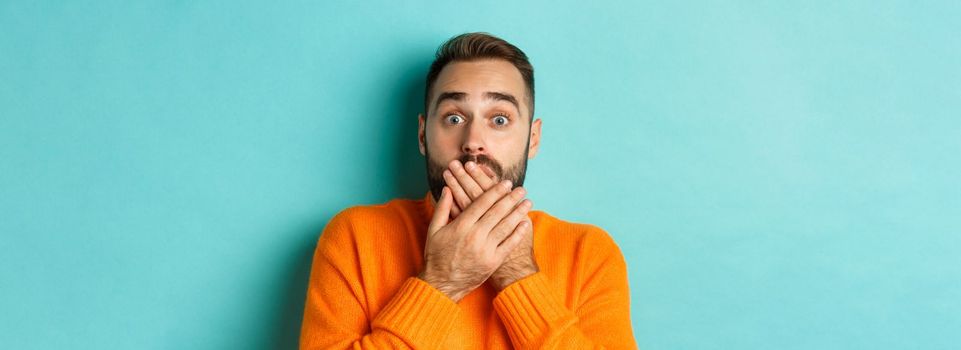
{"points": [[515, 172]]}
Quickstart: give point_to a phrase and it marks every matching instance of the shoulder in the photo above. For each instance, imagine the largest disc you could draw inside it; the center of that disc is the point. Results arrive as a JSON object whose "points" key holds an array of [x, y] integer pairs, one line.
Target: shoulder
{"points": [[376, 213], [579, 245], [583, 236], [573, 253], [362, 220]]}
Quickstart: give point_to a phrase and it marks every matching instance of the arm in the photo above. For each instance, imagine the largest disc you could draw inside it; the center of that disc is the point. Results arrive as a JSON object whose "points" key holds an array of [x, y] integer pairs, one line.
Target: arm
{"points": [[335, 315], [535, 318]]}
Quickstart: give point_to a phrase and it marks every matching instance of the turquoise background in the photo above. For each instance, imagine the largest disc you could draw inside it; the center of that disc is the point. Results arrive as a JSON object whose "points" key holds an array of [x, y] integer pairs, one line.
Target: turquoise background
{"points": [[779, 175]]}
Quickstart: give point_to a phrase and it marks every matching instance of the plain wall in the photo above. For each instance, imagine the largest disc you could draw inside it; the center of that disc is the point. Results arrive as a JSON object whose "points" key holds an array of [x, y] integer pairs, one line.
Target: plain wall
{"points": [[779, 175]]}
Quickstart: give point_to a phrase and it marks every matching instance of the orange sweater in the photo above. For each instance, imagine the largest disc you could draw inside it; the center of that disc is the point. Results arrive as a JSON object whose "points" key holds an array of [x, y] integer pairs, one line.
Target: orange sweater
{"points": [[363, 293]]}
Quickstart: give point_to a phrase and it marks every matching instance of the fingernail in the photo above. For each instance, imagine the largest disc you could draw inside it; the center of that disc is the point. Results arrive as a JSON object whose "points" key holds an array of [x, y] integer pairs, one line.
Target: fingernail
{"points": [[506, 183], [455, 165], [469, 165], [521, 191]]}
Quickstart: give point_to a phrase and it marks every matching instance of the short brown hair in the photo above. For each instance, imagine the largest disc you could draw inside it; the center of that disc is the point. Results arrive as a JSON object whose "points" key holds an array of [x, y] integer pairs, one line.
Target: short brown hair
{"points": [[478, 46]]}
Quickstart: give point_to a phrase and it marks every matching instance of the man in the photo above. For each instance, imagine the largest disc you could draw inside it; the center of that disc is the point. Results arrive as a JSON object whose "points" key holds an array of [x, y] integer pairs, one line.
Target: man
{"points": [[469, 266]]}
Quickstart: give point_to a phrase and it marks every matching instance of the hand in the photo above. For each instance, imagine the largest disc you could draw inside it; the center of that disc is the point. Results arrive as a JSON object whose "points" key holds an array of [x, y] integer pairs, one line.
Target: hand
{"points": [[467, 183], [461, 254]]}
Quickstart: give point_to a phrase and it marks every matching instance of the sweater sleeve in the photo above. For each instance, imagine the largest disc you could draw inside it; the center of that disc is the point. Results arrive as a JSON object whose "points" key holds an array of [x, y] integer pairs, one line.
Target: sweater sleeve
{"points": [[536, 319], [418, 316]]}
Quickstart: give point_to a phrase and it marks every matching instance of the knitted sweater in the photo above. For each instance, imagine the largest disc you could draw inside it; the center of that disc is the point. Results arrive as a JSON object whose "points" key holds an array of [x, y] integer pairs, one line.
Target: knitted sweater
{"points": [[364, 293]]}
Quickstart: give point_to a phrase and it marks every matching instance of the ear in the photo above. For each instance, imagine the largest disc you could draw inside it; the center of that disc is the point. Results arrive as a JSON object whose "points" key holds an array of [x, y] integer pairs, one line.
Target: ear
{"points": [[535, 139], [421, 134]]}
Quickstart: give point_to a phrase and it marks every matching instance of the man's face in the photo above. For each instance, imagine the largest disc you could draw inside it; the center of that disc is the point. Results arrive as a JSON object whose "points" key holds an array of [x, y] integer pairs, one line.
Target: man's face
{"points": [[478, 112]]}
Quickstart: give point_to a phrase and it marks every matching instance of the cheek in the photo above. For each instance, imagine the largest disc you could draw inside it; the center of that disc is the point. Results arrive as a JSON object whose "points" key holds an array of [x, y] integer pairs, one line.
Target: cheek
{"points": [[515, 140], [510, 151], [442, 145]]}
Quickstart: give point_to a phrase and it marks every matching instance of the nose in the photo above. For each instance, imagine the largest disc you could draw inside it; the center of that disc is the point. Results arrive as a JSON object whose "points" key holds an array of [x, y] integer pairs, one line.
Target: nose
{"points": [[474, 140]]}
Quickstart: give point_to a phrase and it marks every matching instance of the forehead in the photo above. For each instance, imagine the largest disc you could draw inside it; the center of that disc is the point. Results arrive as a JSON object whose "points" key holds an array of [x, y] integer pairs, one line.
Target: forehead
{"points": [[478, 77]]}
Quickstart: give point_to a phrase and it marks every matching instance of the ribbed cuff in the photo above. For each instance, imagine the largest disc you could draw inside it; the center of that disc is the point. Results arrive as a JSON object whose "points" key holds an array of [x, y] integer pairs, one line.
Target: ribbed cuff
{"points": [[419, 313], [529, 309]]}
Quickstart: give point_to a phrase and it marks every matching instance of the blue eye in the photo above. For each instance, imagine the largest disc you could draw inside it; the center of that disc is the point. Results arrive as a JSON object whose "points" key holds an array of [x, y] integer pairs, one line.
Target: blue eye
{"points": [[501, 120], [454, 119]]}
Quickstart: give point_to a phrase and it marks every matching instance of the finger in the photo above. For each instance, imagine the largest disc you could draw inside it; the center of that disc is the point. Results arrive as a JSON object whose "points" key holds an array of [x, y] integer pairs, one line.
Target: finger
{"points": [[454, 212], [511, 242], [441, 212], [489, 171], [466, 181], [479, 175], [471, 214], [500, 209], [506, 225], [461, 197]]}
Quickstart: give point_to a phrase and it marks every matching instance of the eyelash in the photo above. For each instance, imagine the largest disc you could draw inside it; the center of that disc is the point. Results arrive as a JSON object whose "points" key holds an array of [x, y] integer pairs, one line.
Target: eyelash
{"points": [[505, 115]]}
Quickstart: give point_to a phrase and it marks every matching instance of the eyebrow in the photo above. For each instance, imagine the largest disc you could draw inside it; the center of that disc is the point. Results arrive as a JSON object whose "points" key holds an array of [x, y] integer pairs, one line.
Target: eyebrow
{"points": [[490, 95]]}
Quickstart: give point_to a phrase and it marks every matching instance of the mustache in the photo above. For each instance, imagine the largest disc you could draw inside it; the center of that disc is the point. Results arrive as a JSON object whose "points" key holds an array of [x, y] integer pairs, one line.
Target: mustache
{"points": [[435, 170], [482, 159]]}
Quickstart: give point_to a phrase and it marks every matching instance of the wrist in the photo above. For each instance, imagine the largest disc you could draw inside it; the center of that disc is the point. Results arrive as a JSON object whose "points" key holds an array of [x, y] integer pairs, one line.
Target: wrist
{"points": [[503, 279], [449, 289]]}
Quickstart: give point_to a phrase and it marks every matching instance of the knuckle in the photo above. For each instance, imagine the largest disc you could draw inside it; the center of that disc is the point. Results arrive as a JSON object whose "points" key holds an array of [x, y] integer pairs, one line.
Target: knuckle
{"points": [[472, 237], [510, 224], [504, 206], [495, 192], [501, 232], [518, 215], [525, 206], [496, 214]]}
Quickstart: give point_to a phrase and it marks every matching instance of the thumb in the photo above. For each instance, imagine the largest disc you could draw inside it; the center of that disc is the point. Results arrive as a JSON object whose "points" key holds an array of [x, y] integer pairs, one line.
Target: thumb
{"points": [[441, 212]]}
